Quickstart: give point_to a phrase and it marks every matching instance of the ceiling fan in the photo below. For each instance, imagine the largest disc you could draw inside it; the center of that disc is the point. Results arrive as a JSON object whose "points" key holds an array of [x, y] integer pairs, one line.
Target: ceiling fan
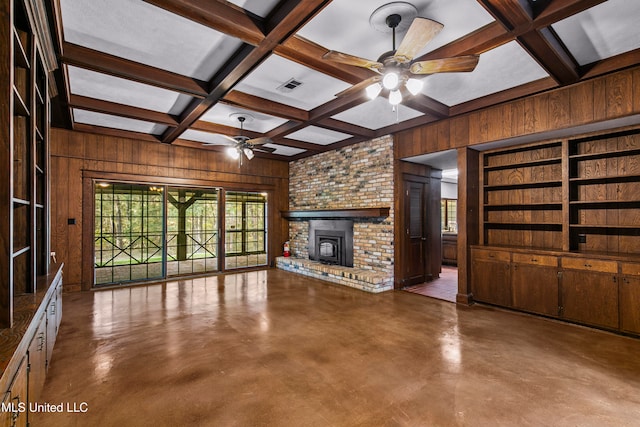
{"points": [[397, 71], [241, 144]]}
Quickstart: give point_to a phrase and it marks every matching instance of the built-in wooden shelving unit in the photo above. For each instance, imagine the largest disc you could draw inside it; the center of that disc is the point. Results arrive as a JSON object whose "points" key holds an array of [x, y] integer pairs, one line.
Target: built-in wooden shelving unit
{"points": [[560, 230]]}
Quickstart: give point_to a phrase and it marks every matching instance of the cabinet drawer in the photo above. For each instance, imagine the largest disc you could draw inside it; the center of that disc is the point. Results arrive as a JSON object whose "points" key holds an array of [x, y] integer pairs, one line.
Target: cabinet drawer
{"points": [[630, 269], [491, 255], [546, 260], [590, 264]]}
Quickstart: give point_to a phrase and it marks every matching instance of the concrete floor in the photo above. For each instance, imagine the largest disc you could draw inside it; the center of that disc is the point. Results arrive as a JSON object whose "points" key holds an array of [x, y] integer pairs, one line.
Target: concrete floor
{"points": [[272, 348]]}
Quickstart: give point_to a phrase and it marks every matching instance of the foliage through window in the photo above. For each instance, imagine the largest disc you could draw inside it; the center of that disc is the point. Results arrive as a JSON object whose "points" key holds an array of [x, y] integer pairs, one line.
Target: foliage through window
{"points": [[246, 229]]}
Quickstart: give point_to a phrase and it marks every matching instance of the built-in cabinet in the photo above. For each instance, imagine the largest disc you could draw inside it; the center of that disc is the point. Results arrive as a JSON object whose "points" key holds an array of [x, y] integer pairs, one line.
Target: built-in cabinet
{"points": [[27, 350], [560, 229], [449, 249]]}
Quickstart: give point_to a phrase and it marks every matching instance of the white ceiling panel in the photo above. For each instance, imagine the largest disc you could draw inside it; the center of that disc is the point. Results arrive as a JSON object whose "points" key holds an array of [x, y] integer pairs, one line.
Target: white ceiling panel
{"points": [[283, 150], [344, 25], [602, 31], [267, 80], [318, 135], [222, 114], [261, 8], [116, 122], [114, 89], [144, 33], [377, 114], [499, 69]]}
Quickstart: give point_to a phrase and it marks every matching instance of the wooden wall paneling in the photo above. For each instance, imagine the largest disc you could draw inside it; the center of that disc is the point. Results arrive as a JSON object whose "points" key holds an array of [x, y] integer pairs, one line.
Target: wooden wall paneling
{"points": [[517, 117], [582, 103], [599, 100], [88, 239], [619, 86], [635, 87], [559, 109], [60, 209], [529, 116], [459, 131], [542, 113], [73, 270]]}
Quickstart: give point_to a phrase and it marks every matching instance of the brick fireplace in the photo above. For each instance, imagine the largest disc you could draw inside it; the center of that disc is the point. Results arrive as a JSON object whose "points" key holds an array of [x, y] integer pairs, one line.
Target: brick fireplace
{"points": [[356, 177]]}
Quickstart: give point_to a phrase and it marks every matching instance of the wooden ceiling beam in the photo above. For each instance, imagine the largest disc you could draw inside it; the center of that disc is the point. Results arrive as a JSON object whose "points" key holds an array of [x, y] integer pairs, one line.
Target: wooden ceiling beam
{"points": [[541, 43], [345, 127], [84, 57], [217, 15], [203, 126], [262, 105], [618, 62], [107, 107], [118, 133]]}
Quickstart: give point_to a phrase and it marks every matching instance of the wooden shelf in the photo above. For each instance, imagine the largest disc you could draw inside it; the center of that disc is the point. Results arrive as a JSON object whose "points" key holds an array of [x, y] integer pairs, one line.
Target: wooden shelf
{"points": [[20, 59], [337, 213], [39, 95], [541, 162], [523, 226], [606, 155], [23, 202], [620, 227], [21, 251], [523, 185], [19, 106], [524, 207], [605, 179], [606, 203]]}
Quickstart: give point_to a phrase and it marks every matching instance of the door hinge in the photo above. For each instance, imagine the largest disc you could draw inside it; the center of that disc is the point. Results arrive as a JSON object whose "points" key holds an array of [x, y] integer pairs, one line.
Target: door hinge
{"points": [[559, 274]]}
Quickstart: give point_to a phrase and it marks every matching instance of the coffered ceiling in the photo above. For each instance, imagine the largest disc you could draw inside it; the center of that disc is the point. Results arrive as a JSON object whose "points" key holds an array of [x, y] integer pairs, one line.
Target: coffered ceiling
{"points": [[180, 71]]}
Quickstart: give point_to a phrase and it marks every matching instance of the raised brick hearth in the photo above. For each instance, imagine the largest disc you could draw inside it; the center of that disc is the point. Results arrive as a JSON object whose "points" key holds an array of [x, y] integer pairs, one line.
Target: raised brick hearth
{"points": [[358, 278]]}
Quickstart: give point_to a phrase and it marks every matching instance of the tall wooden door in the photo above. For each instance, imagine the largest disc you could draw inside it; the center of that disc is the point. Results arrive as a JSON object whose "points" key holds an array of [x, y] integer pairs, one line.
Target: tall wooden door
{"points": [[422, 250], [416, 194]]}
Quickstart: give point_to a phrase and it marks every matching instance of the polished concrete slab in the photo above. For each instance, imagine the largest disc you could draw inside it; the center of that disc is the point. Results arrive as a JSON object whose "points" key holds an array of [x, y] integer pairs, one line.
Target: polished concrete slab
{"points": [[271, 348]]}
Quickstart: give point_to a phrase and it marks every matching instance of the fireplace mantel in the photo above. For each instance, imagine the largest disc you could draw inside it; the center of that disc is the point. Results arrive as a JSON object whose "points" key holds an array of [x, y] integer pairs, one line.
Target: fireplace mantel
{"points": [[337, 213]]}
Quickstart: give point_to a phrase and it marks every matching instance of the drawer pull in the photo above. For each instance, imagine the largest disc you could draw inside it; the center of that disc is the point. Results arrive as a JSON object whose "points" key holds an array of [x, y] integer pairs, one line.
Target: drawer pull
{"points": [[588, 265], [534, 260]]}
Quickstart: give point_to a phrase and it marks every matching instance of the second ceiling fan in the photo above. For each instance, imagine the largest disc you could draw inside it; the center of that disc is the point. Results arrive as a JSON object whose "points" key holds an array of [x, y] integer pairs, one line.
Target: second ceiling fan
{"points": [[397, 71]]}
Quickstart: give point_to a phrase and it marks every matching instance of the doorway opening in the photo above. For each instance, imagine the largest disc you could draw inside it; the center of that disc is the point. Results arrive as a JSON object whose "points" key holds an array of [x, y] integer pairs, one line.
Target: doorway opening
{"points": [[445, 285]]}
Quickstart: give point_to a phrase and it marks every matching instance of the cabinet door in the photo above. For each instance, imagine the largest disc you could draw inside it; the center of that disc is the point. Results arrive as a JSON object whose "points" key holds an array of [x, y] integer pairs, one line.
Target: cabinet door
{"points": [[491, 282], [37, 360], [52, 326], [16, 400], [590, 297], [630, 304], [535, 288]]}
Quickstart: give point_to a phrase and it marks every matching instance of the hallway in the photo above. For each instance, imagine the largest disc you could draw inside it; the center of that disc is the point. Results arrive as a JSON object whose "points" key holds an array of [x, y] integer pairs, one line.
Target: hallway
{"points": [[273, 348], [443, 288]]}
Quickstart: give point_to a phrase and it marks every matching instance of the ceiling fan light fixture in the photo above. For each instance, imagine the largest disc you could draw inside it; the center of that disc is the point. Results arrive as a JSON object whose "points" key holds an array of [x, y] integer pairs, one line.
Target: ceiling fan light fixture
{"points": [[395, 97], [248, 152], [414, 86], [390, 80], [233, 153], [374, 90]]}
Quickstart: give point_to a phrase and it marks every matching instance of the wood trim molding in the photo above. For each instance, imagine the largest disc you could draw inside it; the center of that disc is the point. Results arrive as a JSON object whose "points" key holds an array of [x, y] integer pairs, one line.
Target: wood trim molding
{"points": [[337, 213]]}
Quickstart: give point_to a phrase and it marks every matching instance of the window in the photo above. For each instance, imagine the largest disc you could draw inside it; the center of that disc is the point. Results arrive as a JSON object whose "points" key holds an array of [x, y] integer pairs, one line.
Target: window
{"points": [[449, 219], [129, 229], [192, 231], [145, 232]]}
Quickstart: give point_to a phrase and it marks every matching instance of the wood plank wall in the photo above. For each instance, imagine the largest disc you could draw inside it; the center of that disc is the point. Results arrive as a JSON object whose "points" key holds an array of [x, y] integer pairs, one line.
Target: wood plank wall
{"points": [[609, 97], [78, 157]]}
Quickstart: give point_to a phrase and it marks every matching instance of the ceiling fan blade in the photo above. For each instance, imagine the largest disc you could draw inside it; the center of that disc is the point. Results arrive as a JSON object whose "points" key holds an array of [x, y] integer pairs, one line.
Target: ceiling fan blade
{"points": [[446, 65], [421, 32], [345, 58], [359, 86], [259, 141]]}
